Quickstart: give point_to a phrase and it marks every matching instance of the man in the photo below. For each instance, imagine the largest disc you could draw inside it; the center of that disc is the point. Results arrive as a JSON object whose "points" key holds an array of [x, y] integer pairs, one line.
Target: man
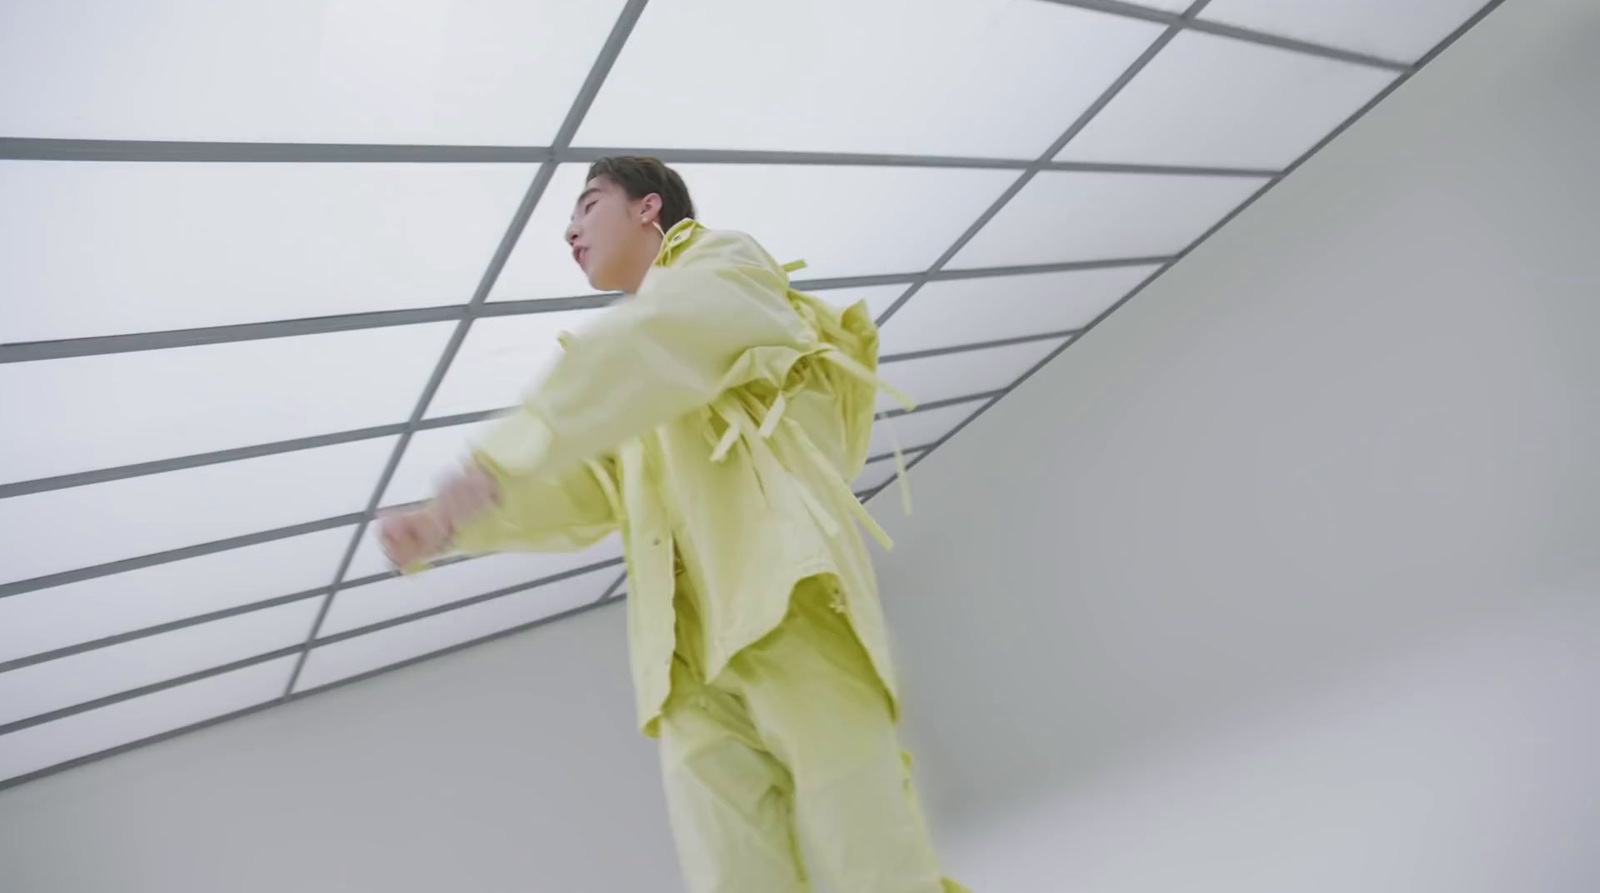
{"points": [[716, 417]]}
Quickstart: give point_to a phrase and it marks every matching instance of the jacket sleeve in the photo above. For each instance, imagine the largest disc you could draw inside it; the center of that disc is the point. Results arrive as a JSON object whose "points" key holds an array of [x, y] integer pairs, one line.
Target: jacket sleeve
{"points": [[718, 319], [545, 513]]}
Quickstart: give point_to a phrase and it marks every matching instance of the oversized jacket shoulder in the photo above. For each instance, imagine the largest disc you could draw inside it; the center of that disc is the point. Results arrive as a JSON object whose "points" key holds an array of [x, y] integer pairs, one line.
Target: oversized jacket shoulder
{"points": [[713, 314], [850, 331]]}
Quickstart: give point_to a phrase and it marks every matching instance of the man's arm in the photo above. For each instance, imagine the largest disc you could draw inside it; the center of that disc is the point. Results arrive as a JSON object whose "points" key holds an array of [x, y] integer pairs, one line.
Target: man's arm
{"points": [[690, 333], [534, 512], [481, 509]]}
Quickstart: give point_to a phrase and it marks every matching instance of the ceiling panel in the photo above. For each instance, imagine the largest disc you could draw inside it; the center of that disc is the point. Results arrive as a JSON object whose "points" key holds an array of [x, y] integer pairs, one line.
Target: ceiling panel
{"points": [[322, 226], [52, 743], [932, 77], [168, 403], [116, 247], [969, 311], [333, 71], [1400, 31], [919, 429], [47, 619], [1215, 101], [80, 678], [361, 654], [398, 596], [953, 375], [843, 220], [1069, 216], [501, 357], [61, 530]]}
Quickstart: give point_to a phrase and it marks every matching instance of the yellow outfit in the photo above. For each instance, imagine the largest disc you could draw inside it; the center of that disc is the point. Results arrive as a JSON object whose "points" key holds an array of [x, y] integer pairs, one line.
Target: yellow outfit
{"points": [[716, 418], [794, 739]]}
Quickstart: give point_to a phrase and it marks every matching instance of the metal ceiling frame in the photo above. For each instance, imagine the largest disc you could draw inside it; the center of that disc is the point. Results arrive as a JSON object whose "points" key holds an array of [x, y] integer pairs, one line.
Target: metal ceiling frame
{"points": [[569, 127], [89, 572], [1358, 114], [101, 345], [1188, 21], [256, 451], [36, 149], [478, 306]]}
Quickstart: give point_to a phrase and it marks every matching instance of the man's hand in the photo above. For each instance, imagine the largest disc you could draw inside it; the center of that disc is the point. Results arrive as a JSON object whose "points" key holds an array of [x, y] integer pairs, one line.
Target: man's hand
{"points": [[412, 535], [419, 534], [466, 496]]}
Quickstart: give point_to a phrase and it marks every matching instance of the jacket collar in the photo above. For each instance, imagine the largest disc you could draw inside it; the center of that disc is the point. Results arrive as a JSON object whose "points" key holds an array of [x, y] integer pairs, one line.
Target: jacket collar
{"points": [[675, 240]]}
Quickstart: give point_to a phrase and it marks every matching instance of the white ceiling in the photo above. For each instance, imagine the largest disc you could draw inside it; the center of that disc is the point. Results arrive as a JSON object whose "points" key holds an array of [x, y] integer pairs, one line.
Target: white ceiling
{"points": [[266, 267]]}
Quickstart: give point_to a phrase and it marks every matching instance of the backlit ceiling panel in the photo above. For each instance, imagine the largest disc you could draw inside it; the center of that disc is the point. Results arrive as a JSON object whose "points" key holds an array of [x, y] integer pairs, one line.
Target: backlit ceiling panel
{"points": [[269, 267]]}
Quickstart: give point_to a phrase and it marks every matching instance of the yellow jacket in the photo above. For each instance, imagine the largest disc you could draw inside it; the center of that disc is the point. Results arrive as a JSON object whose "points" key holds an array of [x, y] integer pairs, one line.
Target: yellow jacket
{"points": [[716, 417]]}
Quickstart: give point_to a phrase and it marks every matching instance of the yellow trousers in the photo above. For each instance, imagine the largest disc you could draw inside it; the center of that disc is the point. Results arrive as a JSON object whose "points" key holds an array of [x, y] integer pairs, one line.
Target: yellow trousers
{"points": [[795, 739]]}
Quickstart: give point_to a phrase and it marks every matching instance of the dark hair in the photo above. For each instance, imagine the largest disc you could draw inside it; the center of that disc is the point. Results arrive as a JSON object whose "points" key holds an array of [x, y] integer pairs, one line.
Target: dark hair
{"points": [[640, 176]]}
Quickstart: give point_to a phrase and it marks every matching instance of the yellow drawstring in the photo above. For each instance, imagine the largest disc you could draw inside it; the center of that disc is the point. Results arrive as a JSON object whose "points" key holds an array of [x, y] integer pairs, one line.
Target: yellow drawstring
{"points": [[851, 366], [729, 437], [899, 466], [830, 474], [769, 422], [738, 409], [823, 517]]}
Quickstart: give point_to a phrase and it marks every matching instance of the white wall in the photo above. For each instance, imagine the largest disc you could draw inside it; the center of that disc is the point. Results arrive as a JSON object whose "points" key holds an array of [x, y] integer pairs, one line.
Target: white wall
{"points": [[1282, 580], [1285, 577]]}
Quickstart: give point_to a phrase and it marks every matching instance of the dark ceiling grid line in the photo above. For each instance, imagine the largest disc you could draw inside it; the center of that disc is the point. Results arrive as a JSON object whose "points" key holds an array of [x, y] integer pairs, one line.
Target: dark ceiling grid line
{"points": [[276, 601], [292, 650], [615, 41], [1045, 158], [256, 451], [292, 697], [156, 152], [469, 601], [148, 689], [1187, 21], [615, 585], [1383, 94], [586, 96], [90, 572], [561, 151], [99, 345]]}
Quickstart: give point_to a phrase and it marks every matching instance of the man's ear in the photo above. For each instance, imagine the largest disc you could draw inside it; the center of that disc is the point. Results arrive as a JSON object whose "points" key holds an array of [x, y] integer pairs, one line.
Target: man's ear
{"points": [[650, 209]]}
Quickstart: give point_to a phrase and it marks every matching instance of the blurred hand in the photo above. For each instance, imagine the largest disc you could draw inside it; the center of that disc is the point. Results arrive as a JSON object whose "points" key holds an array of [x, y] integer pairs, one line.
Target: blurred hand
{"points": [[412, 535], [466, 496], [419, 534]]}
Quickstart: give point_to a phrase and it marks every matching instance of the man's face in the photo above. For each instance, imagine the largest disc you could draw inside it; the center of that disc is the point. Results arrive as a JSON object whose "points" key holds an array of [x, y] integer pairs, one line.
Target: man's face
{"points": [[611, 236]]}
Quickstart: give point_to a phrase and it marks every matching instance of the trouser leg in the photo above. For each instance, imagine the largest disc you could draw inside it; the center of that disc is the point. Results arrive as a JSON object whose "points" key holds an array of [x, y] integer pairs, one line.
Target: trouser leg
{"points": [[730, 802], [820, 709]]}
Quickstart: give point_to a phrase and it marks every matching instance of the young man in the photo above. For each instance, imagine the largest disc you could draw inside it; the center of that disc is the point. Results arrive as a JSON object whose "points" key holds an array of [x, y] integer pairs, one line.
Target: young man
{"points": [[716, 417]]}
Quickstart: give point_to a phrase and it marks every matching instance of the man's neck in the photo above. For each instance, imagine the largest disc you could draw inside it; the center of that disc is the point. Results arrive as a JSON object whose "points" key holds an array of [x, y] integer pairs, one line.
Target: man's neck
{"points": [[649, 250]]}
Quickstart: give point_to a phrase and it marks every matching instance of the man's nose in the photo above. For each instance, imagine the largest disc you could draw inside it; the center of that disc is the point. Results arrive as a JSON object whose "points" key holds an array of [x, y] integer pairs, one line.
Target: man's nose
{"points": [[572, 233]]}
